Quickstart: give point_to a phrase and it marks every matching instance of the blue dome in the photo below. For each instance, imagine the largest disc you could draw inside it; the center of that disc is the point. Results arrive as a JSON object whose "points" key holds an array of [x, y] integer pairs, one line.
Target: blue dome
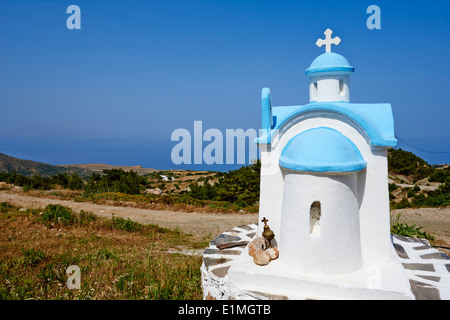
{"points": [[321, 150], [330, 63]]}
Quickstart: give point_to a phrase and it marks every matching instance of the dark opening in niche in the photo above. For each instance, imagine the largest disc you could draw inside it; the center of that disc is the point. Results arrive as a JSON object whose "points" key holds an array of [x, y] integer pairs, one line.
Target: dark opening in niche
{"points": [[315, 214]]}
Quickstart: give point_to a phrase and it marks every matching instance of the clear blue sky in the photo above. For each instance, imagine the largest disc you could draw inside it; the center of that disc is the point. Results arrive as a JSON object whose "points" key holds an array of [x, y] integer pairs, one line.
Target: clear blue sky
{"points": [[144, 68]]}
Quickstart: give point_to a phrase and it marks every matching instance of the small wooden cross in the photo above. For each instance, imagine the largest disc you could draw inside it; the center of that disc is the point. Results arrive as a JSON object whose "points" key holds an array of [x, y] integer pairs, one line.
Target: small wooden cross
{"points": [[328, 41]]}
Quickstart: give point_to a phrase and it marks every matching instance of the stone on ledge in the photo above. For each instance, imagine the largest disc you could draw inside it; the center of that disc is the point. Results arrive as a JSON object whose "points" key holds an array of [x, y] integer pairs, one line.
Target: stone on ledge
{"points": [[260, 256]]}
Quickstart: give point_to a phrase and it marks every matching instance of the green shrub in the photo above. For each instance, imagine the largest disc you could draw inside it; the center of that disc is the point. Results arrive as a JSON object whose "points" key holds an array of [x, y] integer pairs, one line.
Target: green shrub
{"points": [[115, 180], [412, 192], [5, 206], [440, 175], [86, 217], [58, 214], [125, 224], [392, 187], [402, 229]]}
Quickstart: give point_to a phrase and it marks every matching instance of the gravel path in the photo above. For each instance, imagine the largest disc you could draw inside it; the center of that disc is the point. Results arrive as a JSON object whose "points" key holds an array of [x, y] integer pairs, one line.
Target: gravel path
{"points": [[188, 222]]}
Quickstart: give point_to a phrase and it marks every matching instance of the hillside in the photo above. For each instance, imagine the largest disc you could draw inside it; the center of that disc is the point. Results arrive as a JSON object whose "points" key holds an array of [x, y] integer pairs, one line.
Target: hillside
{"points": [[28, 168], [413, 183]]}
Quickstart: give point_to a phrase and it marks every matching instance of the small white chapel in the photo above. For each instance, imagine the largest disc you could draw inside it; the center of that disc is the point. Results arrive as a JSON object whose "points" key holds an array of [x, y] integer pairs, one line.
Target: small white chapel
{"points": [[324, 187], [324, 173]]}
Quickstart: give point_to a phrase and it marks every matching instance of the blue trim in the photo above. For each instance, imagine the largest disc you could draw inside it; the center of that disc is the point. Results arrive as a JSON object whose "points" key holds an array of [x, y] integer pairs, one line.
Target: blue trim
{"points": [[329, 70], [330, 63], [266, 106], [375, 119], [321, 150]]}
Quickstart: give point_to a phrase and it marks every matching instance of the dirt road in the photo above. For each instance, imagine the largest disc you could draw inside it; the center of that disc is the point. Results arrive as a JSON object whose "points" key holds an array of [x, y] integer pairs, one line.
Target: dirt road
{"points": [[188, 222], [434, 220]]}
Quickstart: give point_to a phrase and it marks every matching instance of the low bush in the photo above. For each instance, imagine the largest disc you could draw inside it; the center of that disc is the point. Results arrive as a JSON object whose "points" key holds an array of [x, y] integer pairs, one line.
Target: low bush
{"points": [[57, 213], [402, 229], [125, 224]]}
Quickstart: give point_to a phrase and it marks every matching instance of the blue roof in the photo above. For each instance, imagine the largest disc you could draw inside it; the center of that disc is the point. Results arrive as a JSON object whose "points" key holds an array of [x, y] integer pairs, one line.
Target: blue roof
{"points": [[376, 120], [321, 150], [330, 63]]}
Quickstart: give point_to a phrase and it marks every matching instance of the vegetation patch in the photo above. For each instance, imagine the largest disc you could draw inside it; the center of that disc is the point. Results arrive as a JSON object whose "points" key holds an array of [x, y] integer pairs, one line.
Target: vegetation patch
{"points": [[408, 164], [417, 198], [118, 258], [125, 224], [402, 229], [415, 169]]}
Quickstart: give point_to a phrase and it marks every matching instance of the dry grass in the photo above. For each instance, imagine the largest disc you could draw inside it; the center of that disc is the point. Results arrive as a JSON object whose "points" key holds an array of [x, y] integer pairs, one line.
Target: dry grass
{"points": [[119, 259]]}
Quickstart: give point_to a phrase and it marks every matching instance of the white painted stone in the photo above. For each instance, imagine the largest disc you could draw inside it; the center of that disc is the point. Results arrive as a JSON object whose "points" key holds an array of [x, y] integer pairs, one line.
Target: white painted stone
{"points": [[336, 248], [328, 41], [282, 279], [330, 88], [245, 280]]}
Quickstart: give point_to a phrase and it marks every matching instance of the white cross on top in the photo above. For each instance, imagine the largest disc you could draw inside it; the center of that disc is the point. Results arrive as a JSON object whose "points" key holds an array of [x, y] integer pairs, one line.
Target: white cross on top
{"points": [[328, 41]]}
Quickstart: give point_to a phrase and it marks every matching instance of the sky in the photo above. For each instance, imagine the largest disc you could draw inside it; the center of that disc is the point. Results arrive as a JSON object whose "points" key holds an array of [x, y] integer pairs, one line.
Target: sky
{"points": [[141, 69]]}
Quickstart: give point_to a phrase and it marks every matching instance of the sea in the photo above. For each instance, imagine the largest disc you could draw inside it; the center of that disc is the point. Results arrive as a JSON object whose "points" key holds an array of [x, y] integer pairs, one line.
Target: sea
{"points": [[126, 151], [148, 153]]}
